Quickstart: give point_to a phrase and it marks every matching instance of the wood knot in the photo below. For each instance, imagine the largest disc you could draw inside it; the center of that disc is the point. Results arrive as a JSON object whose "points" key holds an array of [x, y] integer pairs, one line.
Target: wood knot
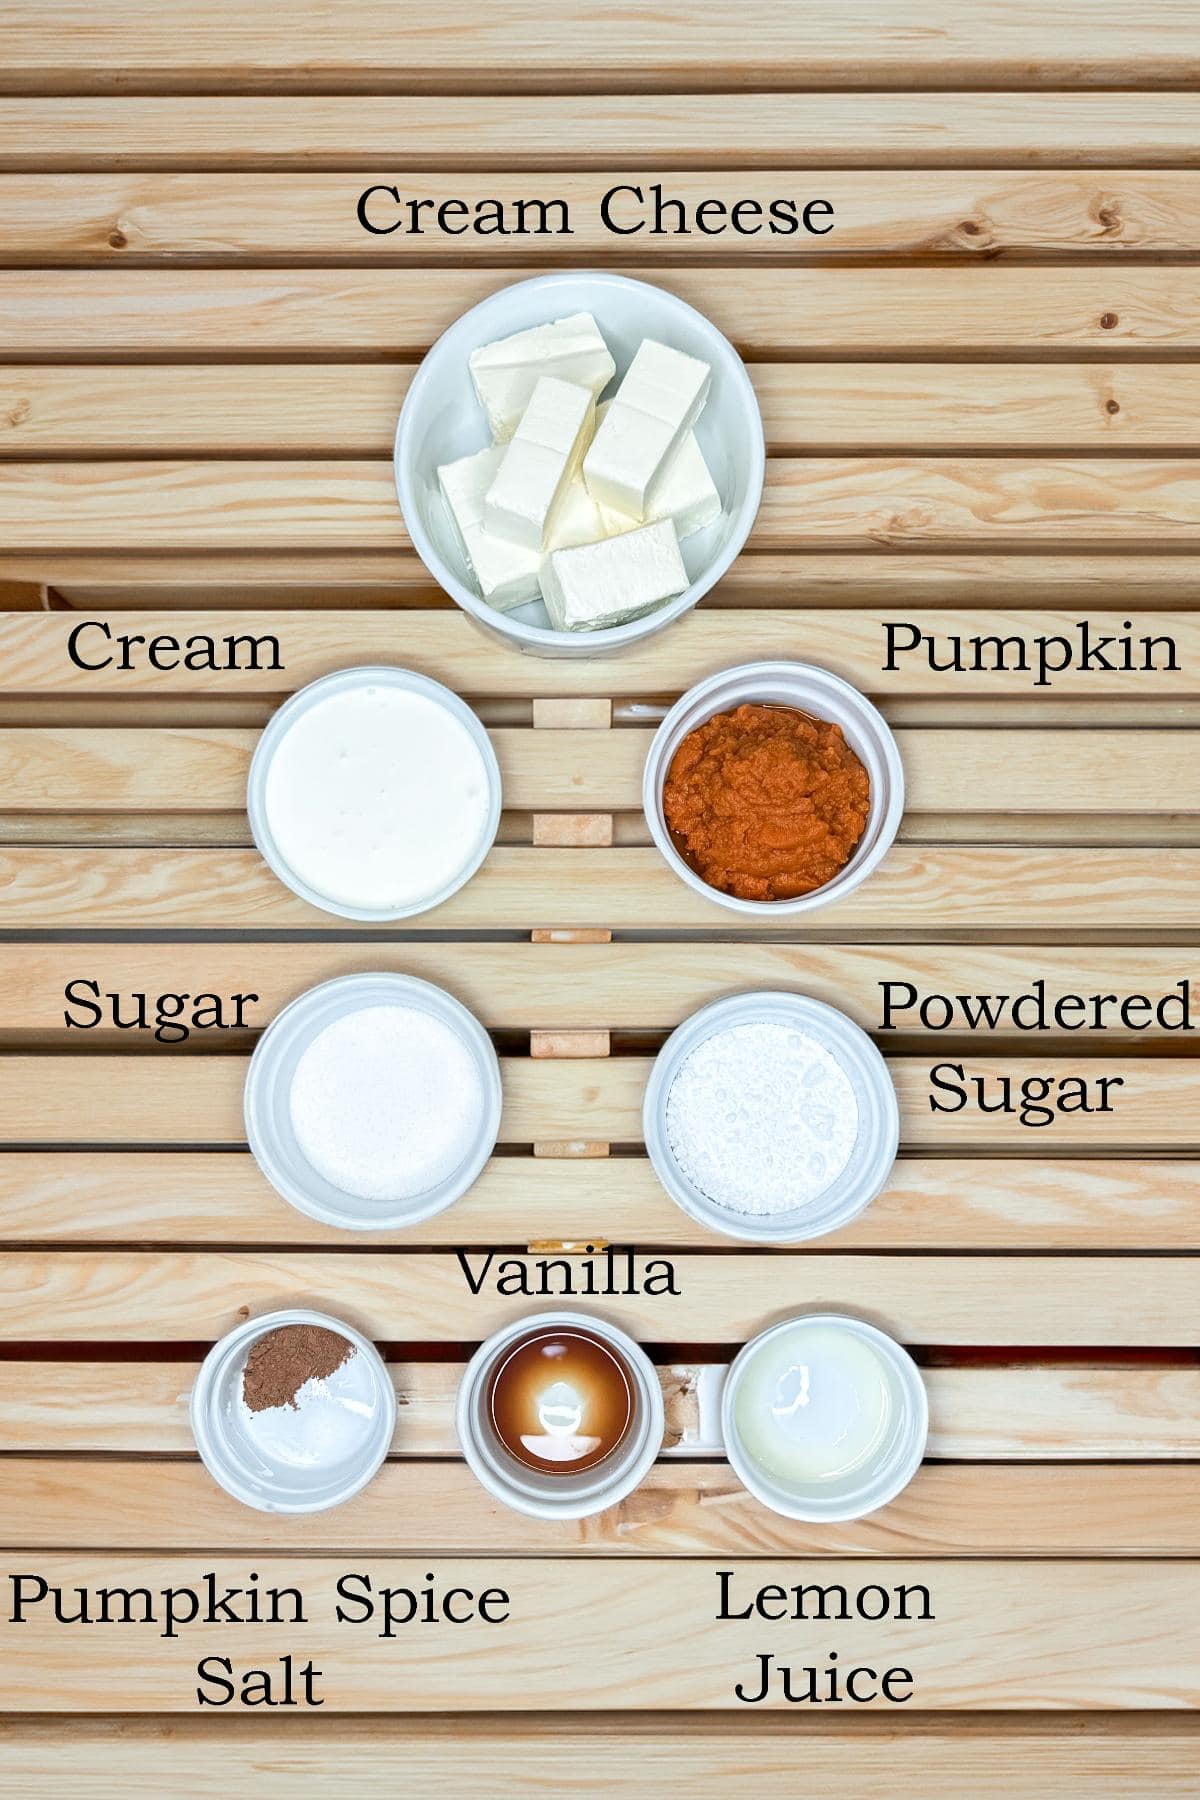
{"points": [[1109, 216], [970, 228], [1112, 406], [1108, 320], [20, 411], [117, 240]]}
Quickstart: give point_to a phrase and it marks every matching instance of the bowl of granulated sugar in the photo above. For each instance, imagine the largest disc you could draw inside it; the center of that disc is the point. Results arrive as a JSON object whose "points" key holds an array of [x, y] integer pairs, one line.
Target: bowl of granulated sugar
{"points": [[373, 1101], [771, 1117]]}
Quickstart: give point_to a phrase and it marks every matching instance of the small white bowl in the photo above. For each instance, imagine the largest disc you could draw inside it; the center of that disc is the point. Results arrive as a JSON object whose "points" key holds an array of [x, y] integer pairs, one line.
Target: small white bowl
{"points": [[268, 1101], [559, 1496], [822, 696], [865, 1491], [250, 1466], [346, 681], [875, 1147], [441, 420]]}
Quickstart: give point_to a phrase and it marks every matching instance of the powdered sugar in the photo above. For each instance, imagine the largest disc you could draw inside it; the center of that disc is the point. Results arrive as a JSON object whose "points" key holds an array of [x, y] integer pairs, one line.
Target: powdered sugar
{"points": [[761, 1118], [386, 1102]]}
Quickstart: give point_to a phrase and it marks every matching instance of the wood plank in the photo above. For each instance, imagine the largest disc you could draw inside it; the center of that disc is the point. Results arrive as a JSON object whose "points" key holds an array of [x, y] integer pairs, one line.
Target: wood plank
{"points": [[854, 502], [128, 1296], [667, 131], [808, 312], [89, 220], [1093, 1756], [947, 771], [276, 652], [1136, 1412], [60, 46], [932, 1203], [992, 1636], [105, 1099], [918, 888], [688, 1509], [565, 987], [277, 409]]}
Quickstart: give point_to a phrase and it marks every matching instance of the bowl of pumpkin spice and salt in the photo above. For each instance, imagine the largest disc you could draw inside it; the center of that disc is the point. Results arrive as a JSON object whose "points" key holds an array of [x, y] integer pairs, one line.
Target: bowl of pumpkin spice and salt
{"points": [[773, 788]]}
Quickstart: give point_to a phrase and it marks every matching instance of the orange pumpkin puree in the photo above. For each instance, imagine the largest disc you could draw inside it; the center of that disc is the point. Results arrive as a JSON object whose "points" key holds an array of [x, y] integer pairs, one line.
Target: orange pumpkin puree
{"points": [[765, 802]]}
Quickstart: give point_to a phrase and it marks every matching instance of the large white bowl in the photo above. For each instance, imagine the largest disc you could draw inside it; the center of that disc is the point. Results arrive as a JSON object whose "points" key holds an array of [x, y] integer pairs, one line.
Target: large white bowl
{"points": [[441, 419]]}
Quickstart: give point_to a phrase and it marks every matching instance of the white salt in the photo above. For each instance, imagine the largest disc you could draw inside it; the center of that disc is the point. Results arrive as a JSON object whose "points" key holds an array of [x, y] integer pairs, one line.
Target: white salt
{"points": [[332, 1420], [386, 1102], [761, 1118]]}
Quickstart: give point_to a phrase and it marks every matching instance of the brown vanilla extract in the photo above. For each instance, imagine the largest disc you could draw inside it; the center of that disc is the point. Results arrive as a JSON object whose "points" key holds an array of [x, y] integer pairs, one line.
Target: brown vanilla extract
{"points": [[561, 1400]]}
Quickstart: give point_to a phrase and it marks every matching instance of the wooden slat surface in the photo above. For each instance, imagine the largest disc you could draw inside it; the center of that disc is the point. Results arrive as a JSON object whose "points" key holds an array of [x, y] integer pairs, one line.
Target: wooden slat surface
{"points": [[1048, 1644], [959, 771], [927, 888], [930, 1203], [803, 312], [1141, 1756]]}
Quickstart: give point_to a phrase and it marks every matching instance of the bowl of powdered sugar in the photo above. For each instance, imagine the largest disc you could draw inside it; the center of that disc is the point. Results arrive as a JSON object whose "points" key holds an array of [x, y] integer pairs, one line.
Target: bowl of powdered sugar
{"points": [[373, 1101], [771, 1117]]}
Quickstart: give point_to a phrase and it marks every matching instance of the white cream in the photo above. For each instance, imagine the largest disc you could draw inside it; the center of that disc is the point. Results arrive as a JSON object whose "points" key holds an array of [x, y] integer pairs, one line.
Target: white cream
{"points": [[537, 466], [377, 798], [603, 584], [653, 411], [814, 1404], [506, 371], [506, 573]]}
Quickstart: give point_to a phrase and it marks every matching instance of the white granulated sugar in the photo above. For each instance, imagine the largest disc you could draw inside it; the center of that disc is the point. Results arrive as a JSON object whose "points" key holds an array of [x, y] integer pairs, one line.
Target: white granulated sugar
{"points": [[385, 1102], [761, 1118]]}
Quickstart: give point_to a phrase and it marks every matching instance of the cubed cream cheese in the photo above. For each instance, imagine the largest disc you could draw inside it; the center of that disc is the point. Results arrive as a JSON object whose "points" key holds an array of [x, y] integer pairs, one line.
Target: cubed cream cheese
{"points": [[653, 411], [506, 573], [686, 494], [608, 583], [538, 463], [506, 372]]}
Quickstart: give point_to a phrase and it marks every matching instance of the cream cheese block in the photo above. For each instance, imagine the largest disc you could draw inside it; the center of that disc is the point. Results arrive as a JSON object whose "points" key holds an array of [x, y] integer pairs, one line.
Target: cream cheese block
{"points": [[653, 411], [686, 494], [596, 585], [506, 372], [538, 462], [506, 573]]}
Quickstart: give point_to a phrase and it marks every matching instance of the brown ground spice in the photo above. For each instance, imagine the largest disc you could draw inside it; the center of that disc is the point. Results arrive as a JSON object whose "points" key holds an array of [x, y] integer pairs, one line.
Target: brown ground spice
{"points": [[765, 802], [281, 1361]]}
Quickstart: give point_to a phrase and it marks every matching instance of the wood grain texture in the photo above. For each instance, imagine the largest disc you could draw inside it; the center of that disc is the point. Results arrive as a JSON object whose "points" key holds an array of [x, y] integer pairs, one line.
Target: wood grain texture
{"points": [[681, 1508], [1020, 1413], [60, 46], [69, 1296], [106, 1099], [283, 409], [40, 653], [854, 502], [1001, 1637], [919, 888], [670, 131], [1138, 1756], [625, 987], [930, 1203], [950, 771], [809, 312]]}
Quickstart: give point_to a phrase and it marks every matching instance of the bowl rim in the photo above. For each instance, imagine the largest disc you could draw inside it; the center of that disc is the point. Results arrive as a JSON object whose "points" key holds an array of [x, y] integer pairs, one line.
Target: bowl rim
{"points": [[427, 996], [211, 1449], [613, 637], [311, 694], [696, 1029], [885, 823], [907, 1457]]}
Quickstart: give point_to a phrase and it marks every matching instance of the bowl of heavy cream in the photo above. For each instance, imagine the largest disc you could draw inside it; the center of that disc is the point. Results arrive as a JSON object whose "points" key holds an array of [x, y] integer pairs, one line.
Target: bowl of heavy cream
{"points": [[578, 460], [374, 794]]}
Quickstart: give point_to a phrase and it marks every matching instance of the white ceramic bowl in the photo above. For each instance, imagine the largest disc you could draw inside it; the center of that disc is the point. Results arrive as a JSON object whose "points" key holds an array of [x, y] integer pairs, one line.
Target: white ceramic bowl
{"points": [[864, 1490], [346, 681], [559, 1496], [268, 1101], [823, 696], [361, 1414], [875, 1147], [441, 420]]}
